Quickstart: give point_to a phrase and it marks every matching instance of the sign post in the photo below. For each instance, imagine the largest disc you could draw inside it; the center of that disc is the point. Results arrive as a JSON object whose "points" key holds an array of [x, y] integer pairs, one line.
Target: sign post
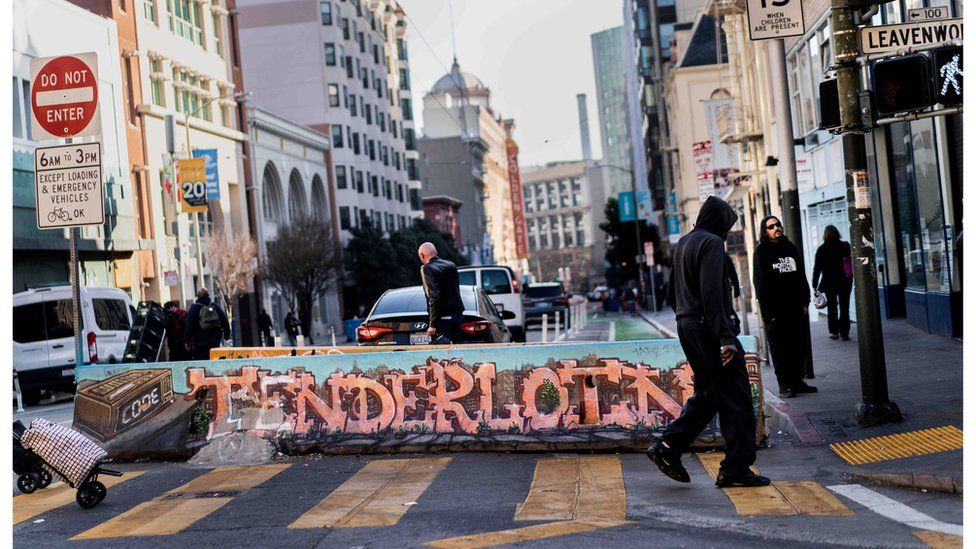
{"points": [[68, 178]]}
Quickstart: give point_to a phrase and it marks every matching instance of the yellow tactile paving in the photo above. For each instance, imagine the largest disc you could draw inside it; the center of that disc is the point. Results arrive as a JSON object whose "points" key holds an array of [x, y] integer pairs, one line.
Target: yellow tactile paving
{"points": [[938, 540], [378, 495], [179, 508], [782, 498], [518, 535], [27, 506], [901, 445]]}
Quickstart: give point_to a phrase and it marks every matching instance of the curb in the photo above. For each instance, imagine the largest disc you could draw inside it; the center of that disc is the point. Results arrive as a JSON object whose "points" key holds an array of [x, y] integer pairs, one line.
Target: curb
{"points": [[934, 483], [780, 416]]}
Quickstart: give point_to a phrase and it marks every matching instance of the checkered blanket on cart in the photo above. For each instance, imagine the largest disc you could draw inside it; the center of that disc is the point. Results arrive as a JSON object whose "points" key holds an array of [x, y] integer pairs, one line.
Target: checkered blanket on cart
{"points": [[68, 453]]}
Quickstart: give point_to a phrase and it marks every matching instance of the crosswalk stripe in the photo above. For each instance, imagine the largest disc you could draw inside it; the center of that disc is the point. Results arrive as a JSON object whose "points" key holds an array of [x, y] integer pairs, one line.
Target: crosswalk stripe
{"points": [[517, 535], [895, 510], [27, 506], [939, 540], [782, 498], [378, 495], [179, 508], [588, 488]]}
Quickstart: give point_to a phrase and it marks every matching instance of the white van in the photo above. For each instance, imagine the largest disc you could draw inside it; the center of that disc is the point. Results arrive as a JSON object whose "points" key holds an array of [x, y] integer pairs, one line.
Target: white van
{"points": [[44, 350], [502, 287]]}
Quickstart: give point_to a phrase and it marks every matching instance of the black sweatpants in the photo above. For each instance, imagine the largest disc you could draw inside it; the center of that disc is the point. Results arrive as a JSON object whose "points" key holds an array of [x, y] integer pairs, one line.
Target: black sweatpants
{"points": [[839, 302], [787, 336], [718, 388], [449, 328]]}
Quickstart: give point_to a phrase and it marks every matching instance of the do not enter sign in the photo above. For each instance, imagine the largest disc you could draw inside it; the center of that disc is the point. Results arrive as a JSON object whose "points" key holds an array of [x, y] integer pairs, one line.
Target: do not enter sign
{"points": [[64, 96]]}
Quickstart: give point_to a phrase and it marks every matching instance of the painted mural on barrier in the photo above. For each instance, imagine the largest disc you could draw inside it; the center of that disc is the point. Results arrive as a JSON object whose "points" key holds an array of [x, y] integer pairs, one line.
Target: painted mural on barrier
{"points": [[383, 397]]}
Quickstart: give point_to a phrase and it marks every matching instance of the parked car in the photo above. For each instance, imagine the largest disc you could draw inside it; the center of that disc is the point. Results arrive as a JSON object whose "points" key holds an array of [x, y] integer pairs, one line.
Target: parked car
{"points": [[43, 330], [545, 298], [502, 286], [400, 317]]}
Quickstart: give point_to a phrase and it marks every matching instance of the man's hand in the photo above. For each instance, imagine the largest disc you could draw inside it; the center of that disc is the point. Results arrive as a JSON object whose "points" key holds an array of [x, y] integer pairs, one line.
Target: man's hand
{"points": [[806, 309], [728, 353], [431, 331]]}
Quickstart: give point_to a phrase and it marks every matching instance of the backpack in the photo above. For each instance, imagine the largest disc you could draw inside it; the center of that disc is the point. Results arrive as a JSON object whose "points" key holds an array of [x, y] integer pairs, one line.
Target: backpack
{"points": [[209, 318]]}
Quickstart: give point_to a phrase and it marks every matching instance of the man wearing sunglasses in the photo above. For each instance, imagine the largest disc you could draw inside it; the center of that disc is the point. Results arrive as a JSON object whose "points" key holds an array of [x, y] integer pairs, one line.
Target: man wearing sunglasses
{"points": [[784, 297]]}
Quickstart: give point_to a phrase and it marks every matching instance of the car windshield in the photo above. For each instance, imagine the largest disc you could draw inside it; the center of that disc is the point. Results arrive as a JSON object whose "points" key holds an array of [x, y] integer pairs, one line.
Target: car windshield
{"points": [[543, 291], [413, 301]]}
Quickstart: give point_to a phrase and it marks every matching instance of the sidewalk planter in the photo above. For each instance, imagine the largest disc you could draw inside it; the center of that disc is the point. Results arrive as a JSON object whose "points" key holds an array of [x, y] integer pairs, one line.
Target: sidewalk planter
{"points": [[485, 398]]}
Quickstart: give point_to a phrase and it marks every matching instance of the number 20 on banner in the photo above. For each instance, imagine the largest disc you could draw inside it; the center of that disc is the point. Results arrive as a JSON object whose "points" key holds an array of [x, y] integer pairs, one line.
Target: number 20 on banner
{"points": [[192, 181]]}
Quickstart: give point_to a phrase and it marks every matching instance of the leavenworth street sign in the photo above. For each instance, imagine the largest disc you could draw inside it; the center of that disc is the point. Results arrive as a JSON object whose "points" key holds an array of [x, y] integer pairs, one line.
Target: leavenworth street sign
{"points": [[775, 19], [889, 38]]}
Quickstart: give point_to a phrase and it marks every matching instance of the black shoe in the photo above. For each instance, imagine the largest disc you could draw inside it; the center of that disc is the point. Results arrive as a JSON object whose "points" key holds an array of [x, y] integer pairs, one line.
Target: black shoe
{"points": [[668, 461], [804, 388], [745, 478], [834, 336], [787, 393], [845, 338]]}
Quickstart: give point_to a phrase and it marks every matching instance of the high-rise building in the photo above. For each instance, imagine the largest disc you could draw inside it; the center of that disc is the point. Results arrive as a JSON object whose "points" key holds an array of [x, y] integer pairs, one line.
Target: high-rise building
{"points": [[610, 60], [464, 150], [340, 68]]}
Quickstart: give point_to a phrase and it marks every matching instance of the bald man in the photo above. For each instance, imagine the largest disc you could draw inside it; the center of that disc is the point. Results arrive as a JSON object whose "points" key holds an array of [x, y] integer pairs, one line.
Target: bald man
{"points": [[440, 280]]}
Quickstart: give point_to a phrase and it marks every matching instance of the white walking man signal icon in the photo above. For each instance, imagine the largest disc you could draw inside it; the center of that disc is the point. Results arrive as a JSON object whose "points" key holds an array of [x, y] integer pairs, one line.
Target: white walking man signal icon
{"points": [[950, 71]]}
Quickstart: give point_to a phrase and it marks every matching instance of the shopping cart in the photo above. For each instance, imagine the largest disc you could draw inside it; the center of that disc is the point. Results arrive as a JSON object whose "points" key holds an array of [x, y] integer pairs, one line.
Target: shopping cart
{"points": [[47, 448]]}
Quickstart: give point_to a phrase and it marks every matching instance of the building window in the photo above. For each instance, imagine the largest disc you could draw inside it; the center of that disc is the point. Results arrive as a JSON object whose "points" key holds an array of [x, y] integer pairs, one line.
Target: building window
{"points": [[344, 23], [156, 81], [374, 184], [359, 181], [334, 95], [352, 104], [344, 218], [355, 143], [406, 109], [326, 9], [404, 79], [401, 49], [348, 66], [149, 10], [185, 21], [218, 34], [337, 137], [26, 94], [340, 174], [18, 117], [330, 54], [129, 90]]}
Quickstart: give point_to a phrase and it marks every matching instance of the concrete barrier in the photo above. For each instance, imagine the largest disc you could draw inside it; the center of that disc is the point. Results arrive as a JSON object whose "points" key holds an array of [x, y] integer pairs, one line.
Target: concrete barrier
{"points": [[491, 398]]}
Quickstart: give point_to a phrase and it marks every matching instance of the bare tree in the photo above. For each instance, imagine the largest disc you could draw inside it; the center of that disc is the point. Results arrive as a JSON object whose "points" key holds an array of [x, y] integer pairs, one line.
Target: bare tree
{"points": [[234, 263], [302, 262]]}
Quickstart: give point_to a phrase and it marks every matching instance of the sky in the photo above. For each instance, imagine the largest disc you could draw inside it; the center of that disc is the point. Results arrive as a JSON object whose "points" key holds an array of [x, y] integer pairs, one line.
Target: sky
{"points": [[534, 55]]}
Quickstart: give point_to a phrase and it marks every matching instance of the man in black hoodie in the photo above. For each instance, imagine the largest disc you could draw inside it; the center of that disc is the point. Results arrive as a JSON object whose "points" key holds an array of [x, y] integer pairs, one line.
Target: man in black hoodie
{"points": [[784, 297], [700, 292]]}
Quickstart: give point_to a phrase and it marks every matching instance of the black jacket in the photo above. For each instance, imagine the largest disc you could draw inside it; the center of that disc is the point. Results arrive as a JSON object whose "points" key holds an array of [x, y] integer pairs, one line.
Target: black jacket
{"points": [[699, 285], [440, 280], [828, 267], [195, 335], [778, 277]]}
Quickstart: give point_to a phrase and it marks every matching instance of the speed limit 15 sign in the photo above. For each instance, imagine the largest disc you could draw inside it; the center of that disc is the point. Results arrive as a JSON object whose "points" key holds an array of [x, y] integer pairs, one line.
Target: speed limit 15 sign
{"points": [[775, 19], [192, 181]]}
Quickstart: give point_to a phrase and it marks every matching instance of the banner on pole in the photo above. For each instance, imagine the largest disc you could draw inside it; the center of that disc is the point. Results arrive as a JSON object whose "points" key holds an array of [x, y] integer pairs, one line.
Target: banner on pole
{"points": [[191, 178]]}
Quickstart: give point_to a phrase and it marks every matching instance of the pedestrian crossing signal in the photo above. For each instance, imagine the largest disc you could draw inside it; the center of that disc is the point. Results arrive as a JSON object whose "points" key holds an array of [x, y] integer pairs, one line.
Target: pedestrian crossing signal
{"points": [[947, 75], [902, 84]]}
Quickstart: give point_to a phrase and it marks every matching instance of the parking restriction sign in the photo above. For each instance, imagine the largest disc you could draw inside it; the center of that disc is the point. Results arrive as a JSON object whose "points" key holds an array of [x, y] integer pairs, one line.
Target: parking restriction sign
{"points": [[64, 97], [68, 181]]}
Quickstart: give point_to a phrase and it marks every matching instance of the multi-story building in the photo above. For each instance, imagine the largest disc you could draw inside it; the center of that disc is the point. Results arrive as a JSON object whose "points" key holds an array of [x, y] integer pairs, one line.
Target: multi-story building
{"points": [[109, 254], [340, 68], [442, 211], [465, 157], [610, 68], [291, 171]]}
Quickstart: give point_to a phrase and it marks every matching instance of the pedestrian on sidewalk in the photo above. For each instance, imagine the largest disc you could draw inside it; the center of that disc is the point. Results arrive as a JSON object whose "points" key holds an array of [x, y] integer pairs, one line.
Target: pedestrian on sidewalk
{"points": [[700, 293], [175, 327], [441, 286], [833, 275], [205, 327], [264, 328], [292, 326], [784, 300]]}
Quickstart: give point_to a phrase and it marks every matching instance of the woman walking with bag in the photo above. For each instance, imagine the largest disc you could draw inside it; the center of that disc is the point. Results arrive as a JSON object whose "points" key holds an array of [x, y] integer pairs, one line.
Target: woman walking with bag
{"points": [[833, 275]]}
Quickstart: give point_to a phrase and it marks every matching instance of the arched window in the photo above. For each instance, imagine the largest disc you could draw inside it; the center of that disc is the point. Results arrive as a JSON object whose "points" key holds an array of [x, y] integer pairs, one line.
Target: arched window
{"points": [[271, 194], [320, 208], [296, 196]]}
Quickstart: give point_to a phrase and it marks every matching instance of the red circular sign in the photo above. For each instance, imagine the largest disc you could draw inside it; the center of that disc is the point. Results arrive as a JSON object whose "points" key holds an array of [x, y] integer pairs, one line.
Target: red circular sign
{"points": [[64, 96]]}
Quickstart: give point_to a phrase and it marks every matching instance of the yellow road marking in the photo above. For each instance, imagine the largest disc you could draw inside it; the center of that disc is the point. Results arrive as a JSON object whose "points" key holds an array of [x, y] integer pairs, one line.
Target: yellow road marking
{"points": [[28, 506], [900, 445], [375, 496], [580, 494], [779, 498], [518, 535], [938, 540], [181, 507]]}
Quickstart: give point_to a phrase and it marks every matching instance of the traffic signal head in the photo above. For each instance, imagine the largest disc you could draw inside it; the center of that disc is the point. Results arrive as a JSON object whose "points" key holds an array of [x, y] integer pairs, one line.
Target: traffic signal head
{"points": [[829, 105], [947, 75], [902, 84]]}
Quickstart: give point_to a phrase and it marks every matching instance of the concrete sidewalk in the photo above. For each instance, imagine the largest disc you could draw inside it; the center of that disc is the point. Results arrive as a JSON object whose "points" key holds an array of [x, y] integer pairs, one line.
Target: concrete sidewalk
{"points": [[925, 379]]}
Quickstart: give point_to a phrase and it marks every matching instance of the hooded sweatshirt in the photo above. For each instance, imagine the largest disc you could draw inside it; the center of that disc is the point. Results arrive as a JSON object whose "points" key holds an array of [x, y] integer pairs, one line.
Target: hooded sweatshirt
{"points": [[699, 285], [778, 277]]}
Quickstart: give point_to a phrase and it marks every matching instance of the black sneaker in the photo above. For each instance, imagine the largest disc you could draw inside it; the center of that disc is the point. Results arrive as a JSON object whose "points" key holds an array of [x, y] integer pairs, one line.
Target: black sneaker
{"points": [[845, 338], [746, 479], [804, 388], [668, 461], [787, 393]]}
